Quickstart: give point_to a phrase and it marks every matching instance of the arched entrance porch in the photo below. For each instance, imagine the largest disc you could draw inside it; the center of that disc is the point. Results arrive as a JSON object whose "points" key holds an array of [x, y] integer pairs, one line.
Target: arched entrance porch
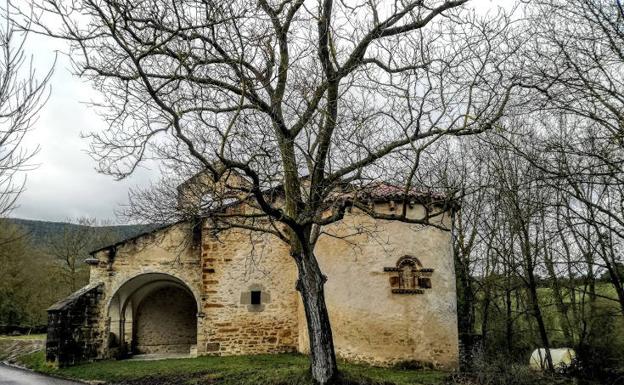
{"points": [[152, 313]]}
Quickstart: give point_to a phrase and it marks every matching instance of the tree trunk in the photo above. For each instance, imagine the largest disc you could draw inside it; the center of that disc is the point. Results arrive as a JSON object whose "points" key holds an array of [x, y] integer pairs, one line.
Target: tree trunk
{"points": [[562, 310], [508, 321], [617, 285], [310, 286], [537, 313], [607, 254], [485, 316], [465, 308]]}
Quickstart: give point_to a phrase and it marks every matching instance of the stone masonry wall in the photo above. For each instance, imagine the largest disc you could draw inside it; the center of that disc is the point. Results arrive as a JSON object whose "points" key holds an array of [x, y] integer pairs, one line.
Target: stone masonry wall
{"points": [[170, 251], [221, 274], [73, 334], [233, 264], [166, 321], [372, 324]]}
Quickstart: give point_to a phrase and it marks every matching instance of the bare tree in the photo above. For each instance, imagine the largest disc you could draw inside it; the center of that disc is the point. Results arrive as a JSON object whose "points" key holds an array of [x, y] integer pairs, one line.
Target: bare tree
{"points": [[578, 59], [550, 214], [583, 164], [577, 70], [304, 103], [455, 168], [578, 67], [523, 201], [72, 245], [22, 95]]}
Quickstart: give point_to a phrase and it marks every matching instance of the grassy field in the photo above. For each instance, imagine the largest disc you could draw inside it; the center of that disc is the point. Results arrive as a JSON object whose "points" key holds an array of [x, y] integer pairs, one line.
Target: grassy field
{"points": [[526, 335], [283, 369], [23, 337], [15, 346]]}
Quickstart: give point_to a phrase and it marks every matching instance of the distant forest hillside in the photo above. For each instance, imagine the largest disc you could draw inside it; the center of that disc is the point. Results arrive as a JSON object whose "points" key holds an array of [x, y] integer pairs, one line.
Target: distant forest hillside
{"points": [[41, 232], [42, 262]]}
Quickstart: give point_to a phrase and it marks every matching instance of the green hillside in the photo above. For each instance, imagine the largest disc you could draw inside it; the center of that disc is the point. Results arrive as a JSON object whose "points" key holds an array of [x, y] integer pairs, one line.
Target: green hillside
{"points": [[41, 232], [43, 262]]}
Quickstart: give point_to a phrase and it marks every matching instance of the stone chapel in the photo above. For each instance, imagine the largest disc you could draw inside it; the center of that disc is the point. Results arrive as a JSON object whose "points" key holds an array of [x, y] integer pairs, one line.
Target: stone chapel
{"points": [[186, 290]]}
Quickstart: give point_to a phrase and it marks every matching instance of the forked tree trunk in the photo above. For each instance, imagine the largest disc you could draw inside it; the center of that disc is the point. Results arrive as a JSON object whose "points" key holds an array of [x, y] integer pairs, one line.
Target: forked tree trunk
{"points": [[310, 285]]}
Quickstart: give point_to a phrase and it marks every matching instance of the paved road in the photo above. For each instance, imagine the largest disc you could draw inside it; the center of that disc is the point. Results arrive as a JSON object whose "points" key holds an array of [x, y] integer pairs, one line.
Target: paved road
{"points": [[13, 376]]}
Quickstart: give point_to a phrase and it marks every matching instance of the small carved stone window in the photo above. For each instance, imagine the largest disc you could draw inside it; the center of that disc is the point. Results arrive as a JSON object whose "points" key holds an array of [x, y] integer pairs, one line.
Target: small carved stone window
{"points": [[409, 277], [256, 297]]}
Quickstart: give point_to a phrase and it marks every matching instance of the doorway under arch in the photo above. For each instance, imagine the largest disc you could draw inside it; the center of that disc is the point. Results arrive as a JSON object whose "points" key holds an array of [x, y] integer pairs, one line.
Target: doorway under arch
{"points": [[153, 313]]}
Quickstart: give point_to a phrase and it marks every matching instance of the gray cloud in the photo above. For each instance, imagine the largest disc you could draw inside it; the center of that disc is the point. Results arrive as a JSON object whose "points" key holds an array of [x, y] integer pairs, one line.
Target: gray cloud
{"points": [[66, 183]]}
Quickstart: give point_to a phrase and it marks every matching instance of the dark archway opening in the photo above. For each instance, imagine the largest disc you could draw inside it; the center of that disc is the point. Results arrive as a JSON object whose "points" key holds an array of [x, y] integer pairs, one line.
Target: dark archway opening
{"points": [[153, 314]]}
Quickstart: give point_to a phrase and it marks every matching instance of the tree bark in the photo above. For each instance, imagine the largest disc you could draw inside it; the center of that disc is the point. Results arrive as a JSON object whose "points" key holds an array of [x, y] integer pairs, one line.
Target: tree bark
{"points": [[562, 311], [537, 313], [485, 316], [310, 285], [465, 308], [607, 254], [508, 320]]}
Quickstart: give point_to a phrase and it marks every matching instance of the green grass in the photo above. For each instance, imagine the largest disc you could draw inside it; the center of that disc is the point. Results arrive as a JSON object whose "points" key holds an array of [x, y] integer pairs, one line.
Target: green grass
{"points": [[24, 337], [282, 369], [35, 361]]}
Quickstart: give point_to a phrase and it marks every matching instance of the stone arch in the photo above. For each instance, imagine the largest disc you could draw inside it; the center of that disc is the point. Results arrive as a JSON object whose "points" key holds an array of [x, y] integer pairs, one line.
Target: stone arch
{"points": [[407, 266], [153, 312], [408, 259], [151, 273]]}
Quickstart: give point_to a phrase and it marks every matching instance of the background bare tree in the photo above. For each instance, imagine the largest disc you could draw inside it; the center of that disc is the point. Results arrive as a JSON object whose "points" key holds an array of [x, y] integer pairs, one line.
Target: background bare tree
{"points": [[578, 70], [22, 95], [309, 101], [72, 245], [538, 267], [571, 150]]}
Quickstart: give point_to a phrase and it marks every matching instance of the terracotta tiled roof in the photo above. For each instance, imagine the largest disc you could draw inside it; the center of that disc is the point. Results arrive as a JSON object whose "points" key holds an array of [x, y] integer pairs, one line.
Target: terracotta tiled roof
{"points": [[388, 192]]}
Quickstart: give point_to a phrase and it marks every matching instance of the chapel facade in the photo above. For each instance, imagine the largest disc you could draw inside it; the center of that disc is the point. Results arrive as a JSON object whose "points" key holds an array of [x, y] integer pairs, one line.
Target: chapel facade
{"points": [[190, 290]]}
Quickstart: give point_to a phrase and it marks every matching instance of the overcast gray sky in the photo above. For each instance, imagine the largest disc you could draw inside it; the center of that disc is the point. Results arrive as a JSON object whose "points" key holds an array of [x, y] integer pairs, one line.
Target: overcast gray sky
{"points": [[66, 184]]}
